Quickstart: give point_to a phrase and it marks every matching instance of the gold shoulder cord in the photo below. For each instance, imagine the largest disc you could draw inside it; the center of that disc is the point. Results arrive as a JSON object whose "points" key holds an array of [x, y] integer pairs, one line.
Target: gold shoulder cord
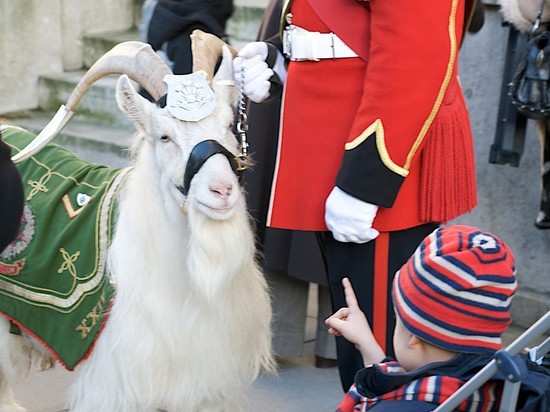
{"points": [[444, 85], [285, 11]]}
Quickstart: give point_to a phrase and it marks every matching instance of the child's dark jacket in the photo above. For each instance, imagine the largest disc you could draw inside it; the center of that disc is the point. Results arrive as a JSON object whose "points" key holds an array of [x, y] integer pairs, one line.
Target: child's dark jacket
{"points": [[387, 387]]}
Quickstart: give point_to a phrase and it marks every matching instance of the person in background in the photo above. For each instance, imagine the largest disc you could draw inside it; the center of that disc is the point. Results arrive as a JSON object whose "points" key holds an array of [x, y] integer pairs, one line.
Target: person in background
{"points": [[291, 260], [477, 19], [167, 24], [375, 147], [11, 197]]}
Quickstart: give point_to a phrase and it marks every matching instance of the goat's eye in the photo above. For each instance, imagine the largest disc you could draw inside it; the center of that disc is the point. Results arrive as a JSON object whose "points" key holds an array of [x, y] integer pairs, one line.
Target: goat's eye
{"points": [[164, 138]]}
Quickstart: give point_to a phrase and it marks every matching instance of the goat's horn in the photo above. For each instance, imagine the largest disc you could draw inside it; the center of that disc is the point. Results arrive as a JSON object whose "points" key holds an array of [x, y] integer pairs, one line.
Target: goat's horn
{"points": [[135, 59], [207, 49]]}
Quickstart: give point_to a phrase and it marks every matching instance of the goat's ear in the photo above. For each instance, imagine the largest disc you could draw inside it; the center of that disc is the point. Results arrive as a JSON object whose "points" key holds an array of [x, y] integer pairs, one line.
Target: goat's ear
{"points": [[134, 106], [223, 80]]}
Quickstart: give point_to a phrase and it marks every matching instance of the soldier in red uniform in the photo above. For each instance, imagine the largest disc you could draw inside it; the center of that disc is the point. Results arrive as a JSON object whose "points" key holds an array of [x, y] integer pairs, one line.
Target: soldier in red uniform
{"points": [[375, 148]]}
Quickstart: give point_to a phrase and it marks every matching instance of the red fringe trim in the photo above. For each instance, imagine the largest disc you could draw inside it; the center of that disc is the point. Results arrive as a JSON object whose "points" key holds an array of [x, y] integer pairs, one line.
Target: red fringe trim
{"points": [[51, 350], [447, 184]]}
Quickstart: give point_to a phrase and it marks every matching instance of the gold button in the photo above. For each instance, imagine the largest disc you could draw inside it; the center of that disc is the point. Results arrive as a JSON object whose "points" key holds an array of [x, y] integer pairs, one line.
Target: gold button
{"points": [[288, 18]]}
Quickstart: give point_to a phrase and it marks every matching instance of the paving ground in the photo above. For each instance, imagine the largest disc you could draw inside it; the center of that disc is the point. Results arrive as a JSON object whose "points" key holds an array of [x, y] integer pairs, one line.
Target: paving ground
{"points": [[298, 387]]}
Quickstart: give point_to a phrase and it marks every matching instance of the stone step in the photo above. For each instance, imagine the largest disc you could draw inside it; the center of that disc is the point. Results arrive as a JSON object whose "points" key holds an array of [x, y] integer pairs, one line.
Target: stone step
{"points": [[99, 132], [98, 103], [95, 142], [242, 28], [95, 46], [244, 24]]}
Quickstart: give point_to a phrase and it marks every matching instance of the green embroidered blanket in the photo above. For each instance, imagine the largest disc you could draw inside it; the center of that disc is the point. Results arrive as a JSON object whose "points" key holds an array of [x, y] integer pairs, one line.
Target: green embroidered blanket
{"points": [[53, 280]]}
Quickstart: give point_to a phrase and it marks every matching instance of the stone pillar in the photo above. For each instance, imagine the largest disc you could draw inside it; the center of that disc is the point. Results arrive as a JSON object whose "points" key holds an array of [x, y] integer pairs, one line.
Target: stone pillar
{"points": [[30, 44], [45, 36]]}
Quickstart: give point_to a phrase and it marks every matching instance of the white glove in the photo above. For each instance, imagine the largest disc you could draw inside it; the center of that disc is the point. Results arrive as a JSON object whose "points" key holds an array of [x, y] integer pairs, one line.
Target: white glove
{"points": [[251, 58], [348, 218]]}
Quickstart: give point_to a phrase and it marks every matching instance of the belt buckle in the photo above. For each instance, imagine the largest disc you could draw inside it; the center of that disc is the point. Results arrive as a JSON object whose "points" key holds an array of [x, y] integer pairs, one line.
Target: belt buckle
{"points": [[287, 41], [332, 46]]}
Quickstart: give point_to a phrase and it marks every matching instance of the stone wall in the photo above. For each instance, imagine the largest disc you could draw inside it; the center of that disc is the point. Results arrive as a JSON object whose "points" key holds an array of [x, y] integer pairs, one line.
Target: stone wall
{"points": [[45, 36]]}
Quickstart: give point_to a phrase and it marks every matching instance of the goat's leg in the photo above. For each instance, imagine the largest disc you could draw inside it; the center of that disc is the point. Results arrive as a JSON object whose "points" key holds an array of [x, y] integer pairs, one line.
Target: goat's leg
{"points": [[8, 347], [100, 387], [543, 218], [7, 398]]}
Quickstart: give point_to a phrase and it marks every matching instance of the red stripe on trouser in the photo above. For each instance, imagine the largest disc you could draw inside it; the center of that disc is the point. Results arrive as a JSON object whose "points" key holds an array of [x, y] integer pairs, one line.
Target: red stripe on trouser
{"points": [[380, 295]]}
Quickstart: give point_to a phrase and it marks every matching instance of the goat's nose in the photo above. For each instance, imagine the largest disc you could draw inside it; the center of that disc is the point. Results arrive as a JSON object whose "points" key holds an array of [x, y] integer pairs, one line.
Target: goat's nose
{"points": [[222, 190]]}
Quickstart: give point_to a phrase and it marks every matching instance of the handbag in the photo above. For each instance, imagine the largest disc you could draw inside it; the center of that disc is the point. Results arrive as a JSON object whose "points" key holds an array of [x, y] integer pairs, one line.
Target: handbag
{"points": [[530, 87]]}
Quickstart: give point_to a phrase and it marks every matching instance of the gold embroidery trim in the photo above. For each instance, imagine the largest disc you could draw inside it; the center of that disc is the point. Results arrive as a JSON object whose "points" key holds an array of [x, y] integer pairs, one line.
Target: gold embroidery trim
{"points": [[40, 185], [71, 212], [93, 317], [378, 128], [13, 269], [68, 263], [443, 88], [285, 10]]}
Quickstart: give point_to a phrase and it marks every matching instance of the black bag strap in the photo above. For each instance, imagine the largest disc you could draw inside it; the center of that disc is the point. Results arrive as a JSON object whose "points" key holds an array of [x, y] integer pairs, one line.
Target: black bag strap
{"points": [[509, 139]]}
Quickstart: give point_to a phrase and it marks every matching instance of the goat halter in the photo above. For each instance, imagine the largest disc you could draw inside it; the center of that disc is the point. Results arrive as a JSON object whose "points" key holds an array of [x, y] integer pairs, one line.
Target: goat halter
{"points": [[200, 154], [243, 159], [189, 96]]}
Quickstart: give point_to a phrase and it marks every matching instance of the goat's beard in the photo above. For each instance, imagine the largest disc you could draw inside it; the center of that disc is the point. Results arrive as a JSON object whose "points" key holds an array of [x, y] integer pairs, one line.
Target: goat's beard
{"points": [[218, 249]]}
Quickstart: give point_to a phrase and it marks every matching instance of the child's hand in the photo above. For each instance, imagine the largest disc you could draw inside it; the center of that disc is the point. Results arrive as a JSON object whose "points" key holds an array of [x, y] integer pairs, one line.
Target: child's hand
{"points": [[349, 322], [352, 324]]}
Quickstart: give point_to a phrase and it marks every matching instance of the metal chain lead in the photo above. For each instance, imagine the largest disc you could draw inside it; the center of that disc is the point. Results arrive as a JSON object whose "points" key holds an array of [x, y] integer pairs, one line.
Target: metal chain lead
{"points": [[539, 18], [243, 160]]}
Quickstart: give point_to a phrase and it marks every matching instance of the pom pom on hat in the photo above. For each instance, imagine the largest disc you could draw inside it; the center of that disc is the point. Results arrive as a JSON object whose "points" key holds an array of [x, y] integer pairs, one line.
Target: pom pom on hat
{"points": [[455, 290]]}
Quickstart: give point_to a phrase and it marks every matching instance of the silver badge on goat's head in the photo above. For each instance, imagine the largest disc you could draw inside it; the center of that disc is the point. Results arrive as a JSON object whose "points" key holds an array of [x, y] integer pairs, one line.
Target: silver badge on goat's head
{"points": [[189, 96]]}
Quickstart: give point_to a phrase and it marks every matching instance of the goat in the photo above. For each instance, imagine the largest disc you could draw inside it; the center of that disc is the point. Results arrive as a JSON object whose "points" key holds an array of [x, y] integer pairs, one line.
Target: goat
{"points": [[188, 327]]}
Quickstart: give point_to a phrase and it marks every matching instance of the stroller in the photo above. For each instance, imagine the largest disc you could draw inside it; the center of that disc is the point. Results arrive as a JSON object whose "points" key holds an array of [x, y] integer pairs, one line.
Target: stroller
{"points": [[526, 376]]}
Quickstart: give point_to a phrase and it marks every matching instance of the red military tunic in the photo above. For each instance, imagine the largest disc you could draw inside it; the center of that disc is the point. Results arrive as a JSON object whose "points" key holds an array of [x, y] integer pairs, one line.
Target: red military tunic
{"points": [[390, 127]]}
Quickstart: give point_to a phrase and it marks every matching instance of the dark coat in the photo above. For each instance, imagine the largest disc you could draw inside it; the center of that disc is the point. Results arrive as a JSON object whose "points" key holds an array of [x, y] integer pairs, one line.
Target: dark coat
{"points": [[11, 198], [373, 382], [293, 252], [173, 21]]}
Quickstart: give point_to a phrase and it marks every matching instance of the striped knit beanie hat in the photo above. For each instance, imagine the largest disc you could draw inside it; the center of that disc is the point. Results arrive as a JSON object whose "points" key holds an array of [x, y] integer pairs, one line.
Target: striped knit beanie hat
{"points": [[455, 290]]}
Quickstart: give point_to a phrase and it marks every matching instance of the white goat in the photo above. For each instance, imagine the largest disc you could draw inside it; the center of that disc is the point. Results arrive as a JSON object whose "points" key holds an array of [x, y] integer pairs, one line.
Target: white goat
{"points": [[189, 325]]}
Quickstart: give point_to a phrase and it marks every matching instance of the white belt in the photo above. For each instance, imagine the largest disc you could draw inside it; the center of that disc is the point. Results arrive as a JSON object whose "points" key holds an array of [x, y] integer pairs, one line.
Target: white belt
{"points": [[300, 44]]}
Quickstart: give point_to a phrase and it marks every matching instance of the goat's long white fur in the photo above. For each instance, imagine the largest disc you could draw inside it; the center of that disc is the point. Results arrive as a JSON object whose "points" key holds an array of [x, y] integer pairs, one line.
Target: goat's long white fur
{"points": [[189, 326], [523, 13]]}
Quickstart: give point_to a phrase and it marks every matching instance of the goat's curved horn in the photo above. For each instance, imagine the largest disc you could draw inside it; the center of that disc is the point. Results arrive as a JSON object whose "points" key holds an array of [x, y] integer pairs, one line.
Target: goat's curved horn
{"points": [[207, 49], [135, 59]]}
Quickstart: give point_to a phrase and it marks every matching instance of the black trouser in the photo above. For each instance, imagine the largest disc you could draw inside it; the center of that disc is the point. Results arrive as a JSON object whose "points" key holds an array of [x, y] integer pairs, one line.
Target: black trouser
{"points": [[359, 262], [543, 219]]}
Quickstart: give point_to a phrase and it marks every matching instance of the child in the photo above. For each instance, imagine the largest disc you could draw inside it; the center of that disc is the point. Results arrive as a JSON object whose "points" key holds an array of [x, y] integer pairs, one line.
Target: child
{"points": [[451, 301]]}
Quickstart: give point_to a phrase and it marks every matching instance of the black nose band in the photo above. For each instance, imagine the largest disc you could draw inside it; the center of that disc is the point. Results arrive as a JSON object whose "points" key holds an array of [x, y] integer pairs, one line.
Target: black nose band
{"points": [[200, 154]]}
